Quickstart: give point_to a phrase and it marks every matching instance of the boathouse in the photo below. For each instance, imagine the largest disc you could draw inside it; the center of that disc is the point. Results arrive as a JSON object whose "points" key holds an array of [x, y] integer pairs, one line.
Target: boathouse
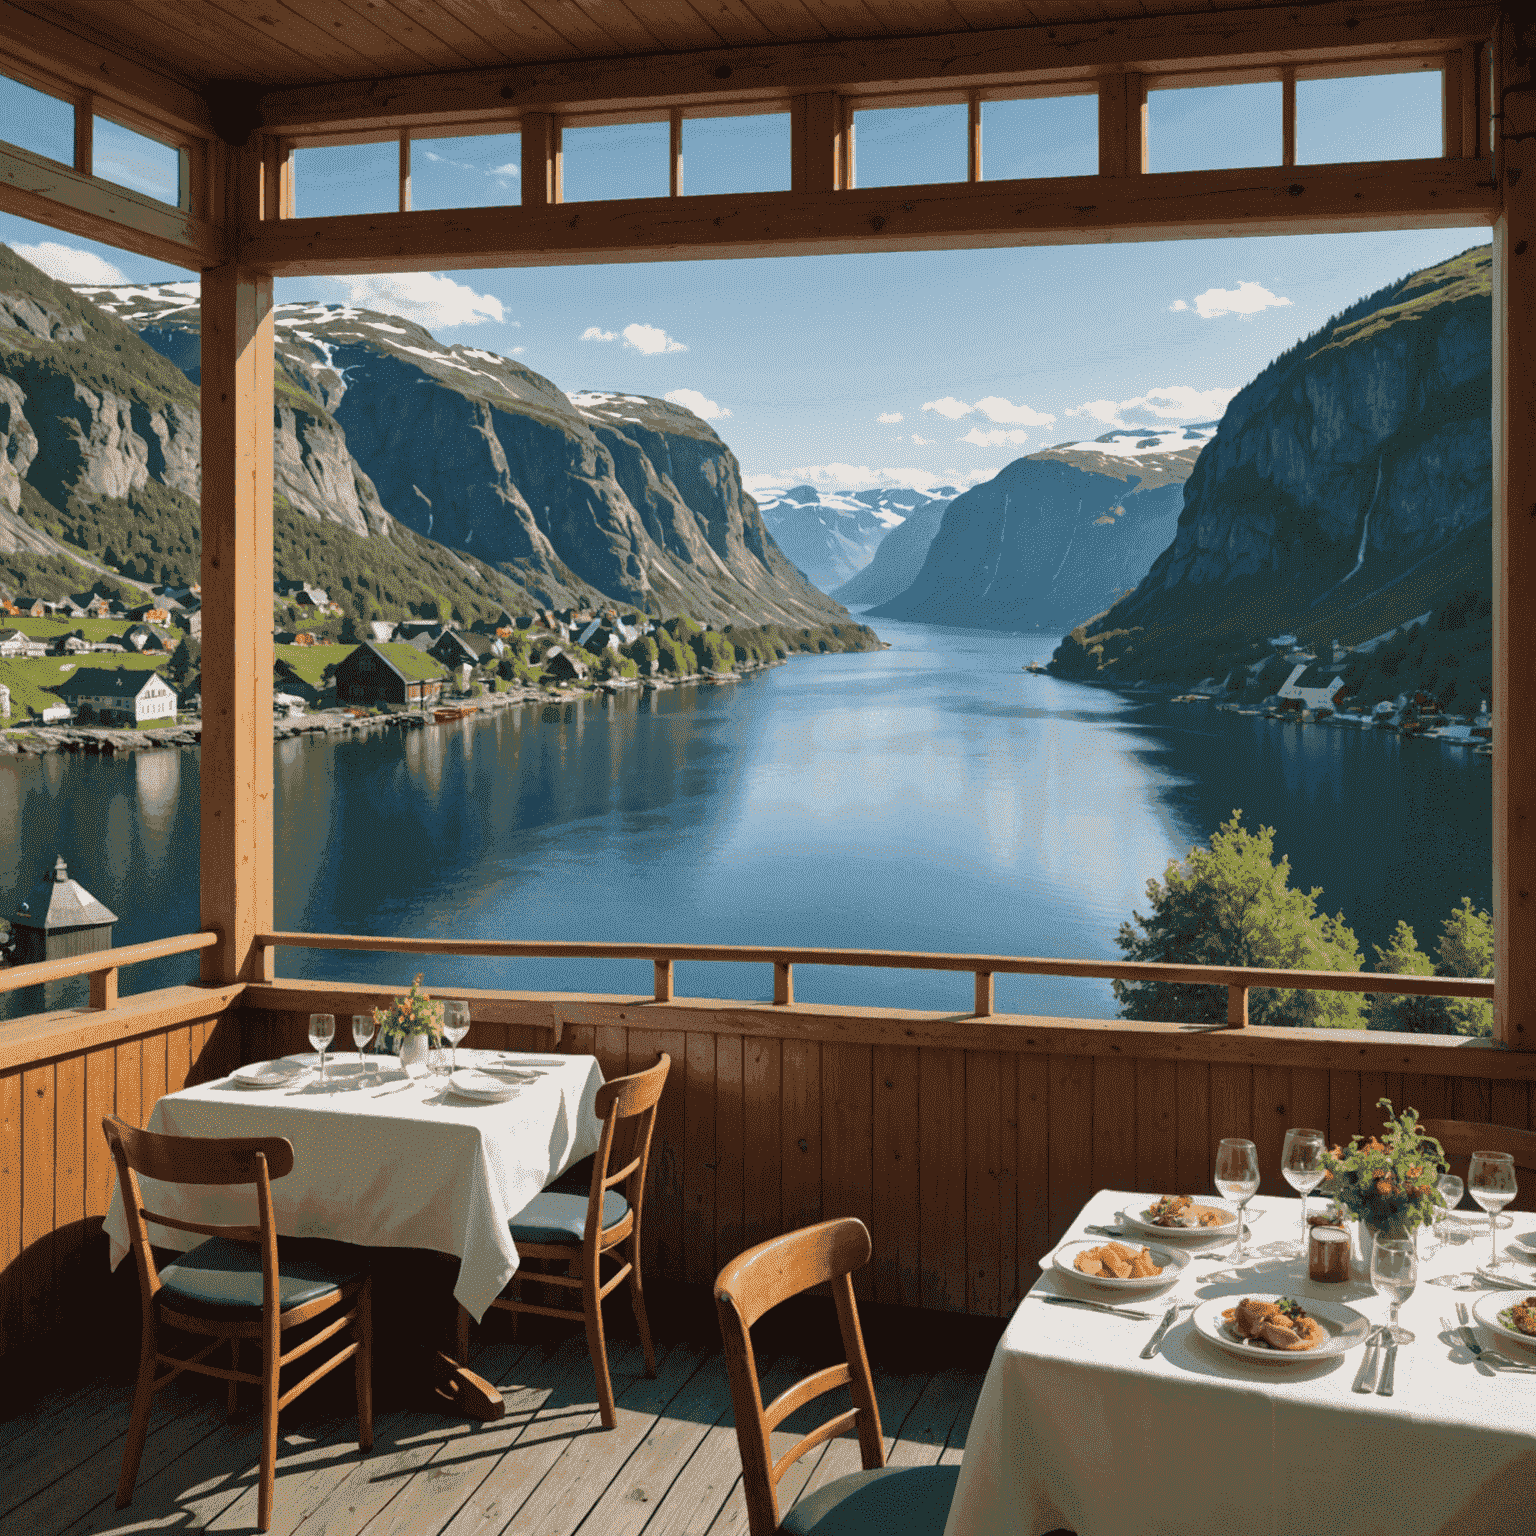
{"points": [[59, 919], [393, 673]]}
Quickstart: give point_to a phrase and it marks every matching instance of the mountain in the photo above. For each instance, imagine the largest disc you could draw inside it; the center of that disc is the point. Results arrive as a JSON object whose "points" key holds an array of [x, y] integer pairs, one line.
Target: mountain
{"points": [[831, 537], [1054, 535], [568, 496], [1347, 493], [897, 559]]}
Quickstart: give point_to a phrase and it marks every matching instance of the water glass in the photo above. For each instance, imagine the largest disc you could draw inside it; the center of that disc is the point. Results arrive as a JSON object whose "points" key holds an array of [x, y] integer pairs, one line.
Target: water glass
{"points": [[1237, 1179], [1451, 1190], [362, 1033], [1301, 1161], [455, 1025], [322, 1030], [1395, 1275], [1491, 1182]]}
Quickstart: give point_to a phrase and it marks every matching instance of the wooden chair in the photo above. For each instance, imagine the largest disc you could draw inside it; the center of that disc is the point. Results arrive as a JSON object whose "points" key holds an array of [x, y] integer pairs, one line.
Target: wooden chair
{"points": [[227, 1291], [575, 1227], [880, 1499]]}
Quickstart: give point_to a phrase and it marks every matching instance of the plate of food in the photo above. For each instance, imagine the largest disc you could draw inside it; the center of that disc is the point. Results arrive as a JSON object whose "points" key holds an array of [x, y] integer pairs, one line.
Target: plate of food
{"points": [[1281, 1330], [1184, 1216], [1508, 1314], [1119, 1266]]}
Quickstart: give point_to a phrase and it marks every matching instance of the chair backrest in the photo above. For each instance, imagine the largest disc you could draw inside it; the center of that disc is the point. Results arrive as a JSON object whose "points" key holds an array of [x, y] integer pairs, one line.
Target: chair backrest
{"points": [[627, 1108], [752, 1284], [1461, 1138], [203, 1160]]}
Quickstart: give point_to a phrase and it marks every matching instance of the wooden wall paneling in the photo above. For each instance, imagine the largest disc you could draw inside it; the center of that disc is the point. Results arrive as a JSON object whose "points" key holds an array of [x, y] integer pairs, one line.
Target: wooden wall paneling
{"points": [[1231, 1102], [100, 1101], [1157, 1153], [153, 1075], [611, 1047], [579, 1040], [38, 1152], [662, 1239], [847, 1141], [1470, 1100], [68, 1171], [1193, 1144], [1114, 1123], [10, 1208], [1344, 1098], [896, 1266], [130, 1068], [1373, 1086], [990, 1204], [762, 1099], [1071, 1140], [1271, 1119], [178, 1059], [942, 1189], [1431, 1096], [1032, 1170], [730, 1147], [1309, 1101], [800, 1133], [1509, 1104], [699, 1162]]}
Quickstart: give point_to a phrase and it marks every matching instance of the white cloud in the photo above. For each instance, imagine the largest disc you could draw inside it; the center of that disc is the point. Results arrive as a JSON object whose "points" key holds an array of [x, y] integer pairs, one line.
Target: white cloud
{"points": [[922, 442], [507, 172], [888, 418], [1177, 307], [428, 298], [1171, 402], [859, 477], [950, 407], [596, 333], [995, 437], [1247, 299], [995, 408], [700, 405], [650, 339], [69, 264]]}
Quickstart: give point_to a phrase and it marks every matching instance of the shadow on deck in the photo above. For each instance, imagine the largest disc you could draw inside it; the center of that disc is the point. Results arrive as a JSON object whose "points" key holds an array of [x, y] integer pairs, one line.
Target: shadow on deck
{"points": [[670, 1468]]}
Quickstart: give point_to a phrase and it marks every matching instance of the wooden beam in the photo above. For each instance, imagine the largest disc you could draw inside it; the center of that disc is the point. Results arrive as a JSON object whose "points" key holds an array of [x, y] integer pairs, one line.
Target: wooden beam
{"points": [[1422, 194], [1236, 38], [675, 153], [820, 143], [1514, 540], [541, 178], [973, 171], [1451, 83], [85, 135], [47, 192], [237, 620], [405, 170], [1288, 116], [1474, 102]]}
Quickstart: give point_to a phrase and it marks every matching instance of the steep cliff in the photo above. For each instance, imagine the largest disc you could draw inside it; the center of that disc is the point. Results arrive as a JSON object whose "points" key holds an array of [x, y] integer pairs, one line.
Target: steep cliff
{"points": [[1347, 490], [834, 536], [897, 559], [1053, 535]]}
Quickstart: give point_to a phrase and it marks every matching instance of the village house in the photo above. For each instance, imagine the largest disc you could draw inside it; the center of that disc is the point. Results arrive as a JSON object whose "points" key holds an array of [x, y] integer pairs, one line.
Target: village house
{"points": [[1323, 696], [158, 612], [5, 702], [562, 667], [388, 674], [456, 649], [31, 608], [71, 645], [146, 641], [119, 697], [13, 643]]}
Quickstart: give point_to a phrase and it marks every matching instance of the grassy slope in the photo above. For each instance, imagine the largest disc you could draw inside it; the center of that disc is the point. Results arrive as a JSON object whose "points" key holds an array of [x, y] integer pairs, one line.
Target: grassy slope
{"points": [[29, 681], [309, 661]]}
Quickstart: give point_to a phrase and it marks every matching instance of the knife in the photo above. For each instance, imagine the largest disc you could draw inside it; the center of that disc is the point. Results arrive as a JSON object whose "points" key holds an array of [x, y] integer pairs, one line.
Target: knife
{"points": [[1157, 1338], [1097, 1306], [1366, 1380], [1385, 1389]]}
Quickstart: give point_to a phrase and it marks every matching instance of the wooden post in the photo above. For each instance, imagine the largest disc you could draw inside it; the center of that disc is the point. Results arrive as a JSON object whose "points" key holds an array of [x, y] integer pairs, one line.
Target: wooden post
{"points": [[820, 143], [405, 170], [663, 970], [1514, 533], [541, 160], [985, 994], [675, 162], [1288, 115], [104, 988], [1237, 1007], [1474, 103], [237, 618], [276, 180], [783, 983], [973, 138], [1123, 125], [1451, 84], [85, 135]]}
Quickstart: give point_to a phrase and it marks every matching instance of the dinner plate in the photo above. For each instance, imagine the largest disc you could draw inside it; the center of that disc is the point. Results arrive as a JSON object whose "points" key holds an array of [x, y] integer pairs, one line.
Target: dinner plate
{"points": [[1486, 1310], [1170, 1260], [509, 1071], [1524, 1246], [268, 1074], [1477, 1221], [1345, 1326], [1136, 1221], [474, 1084]]}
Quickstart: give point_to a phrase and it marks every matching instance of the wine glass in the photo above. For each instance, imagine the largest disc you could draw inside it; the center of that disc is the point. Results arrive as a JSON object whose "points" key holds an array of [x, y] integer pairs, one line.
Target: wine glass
{"points": [[322, 1030], [1301, 1161], [1394, 1275], [1451, 1190], [1237, 1179], [362, 1033], [455, 1025], [1491, 1182]]}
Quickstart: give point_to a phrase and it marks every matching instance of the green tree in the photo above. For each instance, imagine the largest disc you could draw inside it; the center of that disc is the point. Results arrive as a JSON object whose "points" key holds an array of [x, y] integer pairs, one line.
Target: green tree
{"points": [[1416, 1015], [350, 633], [1232, 904], [1466, 949], [185, 659]]}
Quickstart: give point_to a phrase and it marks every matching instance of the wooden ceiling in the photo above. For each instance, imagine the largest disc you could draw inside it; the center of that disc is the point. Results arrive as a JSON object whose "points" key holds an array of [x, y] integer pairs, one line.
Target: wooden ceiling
{"points": [[299, 42]]}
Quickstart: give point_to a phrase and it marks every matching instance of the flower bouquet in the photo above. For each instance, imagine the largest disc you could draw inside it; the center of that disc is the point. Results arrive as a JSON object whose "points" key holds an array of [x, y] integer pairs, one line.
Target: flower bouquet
{"points": [[1388, 1182], [411, 1025]]}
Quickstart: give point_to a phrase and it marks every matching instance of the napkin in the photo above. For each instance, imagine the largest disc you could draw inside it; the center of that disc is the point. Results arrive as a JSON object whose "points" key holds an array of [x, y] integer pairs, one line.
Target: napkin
{"points": [[479, 1084]]}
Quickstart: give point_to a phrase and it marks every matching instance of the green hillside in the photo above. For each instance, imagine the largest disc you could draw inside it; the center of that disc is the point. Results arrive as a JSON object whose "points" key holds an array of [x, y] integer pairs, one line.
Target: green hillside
{"points": [[30, 681]]}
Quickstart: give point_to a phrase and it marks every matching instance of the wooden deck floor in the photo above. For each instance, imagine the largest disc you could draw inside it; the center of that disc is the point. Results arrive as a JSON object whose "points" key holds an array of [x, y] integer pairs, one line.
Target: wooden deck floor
{"points": [[548, 1468]]}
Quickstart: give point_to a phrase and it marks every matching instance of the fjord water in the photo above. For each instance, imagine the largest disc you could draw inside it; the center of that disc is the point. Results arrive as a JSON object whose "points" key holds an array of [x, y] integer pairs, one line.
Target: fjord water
{"points": [[932, 796]]}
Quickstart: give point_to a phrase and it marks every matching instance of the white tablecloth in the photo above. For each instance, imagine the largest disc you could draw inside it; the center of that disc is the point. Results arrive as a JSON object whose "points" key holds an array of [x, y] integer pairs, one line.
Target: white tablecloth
{"points": [[1074, 1430], [389, 1166]]}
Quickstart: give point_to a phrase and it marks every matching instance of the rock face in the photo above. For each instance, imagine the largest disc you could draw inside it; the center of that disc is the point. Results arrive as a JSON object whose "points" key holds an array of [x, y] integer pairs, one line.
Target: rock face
{"points": [[1350, 480], [897, 560], [832, 537], [1054, 535]]}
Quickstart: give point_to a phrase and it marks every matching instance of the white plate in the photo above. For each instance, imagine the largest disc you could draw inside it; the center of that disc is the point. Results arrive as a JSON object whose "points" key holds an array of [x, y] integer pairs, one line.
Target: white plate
{"points": [[268, 1074], [509, 1071], [474, 1084], [1137, 1222], [1477, 1221], [1486, 1310], [1524, 1246], [1171, 1260], [1346, 1328]]}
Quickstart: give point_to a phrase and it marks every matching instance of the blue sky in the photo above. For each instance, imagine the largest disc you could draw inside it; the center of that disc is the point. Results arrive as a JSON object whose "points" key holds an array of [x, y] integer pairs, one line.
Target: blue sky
{"points": [[913, 368]]}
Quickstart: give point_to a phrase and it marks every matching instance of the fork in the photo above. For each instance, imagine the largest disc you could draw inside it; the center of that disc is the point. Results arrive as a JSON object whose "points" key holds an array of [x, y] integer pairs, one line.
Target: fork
{"points": [[1491, 1357]]}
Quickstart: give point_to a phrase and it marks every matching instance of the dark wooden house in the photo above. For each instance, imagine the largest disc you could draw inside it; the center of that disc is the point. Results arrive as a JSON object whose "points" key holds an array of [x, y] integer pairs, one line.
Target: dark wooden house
{"points": [[388, 674], [58, 919]]}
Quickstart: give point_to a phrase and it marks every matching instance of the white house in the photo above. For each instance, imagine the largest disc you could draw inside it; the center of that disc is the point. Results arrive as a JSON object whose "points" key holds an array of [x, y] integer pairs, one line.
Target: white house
{"points": [[55, 714], [1311, 698], [5, 702], [14, 643], [130, 697]]}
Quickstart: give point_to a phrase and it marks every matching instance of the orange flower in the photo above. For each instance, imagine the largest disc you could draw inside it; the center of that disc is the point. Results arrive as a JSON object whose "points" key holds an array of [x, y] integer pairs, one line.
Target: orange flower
{"points": [[1383, 1186]]}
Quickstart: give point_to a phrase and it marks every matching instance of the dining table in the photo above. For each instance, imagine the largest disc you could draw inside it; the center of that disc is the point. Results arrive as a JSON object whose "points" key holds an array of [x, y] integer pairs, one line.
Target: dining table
{"points": [[1075, 1430], [387, 1158]]}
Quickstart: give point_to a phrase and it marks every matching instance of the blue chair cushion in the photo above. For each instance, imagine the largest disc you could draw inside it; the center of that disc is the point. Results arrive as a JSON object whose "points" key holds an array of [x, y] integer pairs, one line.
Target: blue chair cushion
{"points": [[913, 1500], [220, 1273], [554, 1217]]}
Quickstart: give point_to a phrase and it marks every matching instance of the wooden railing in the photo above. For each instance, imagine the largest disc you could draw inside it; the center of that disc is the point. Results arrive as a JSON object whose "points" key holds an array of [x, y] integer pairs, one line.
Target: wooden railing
{"points": [[1238, 980], [102, 965]]}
